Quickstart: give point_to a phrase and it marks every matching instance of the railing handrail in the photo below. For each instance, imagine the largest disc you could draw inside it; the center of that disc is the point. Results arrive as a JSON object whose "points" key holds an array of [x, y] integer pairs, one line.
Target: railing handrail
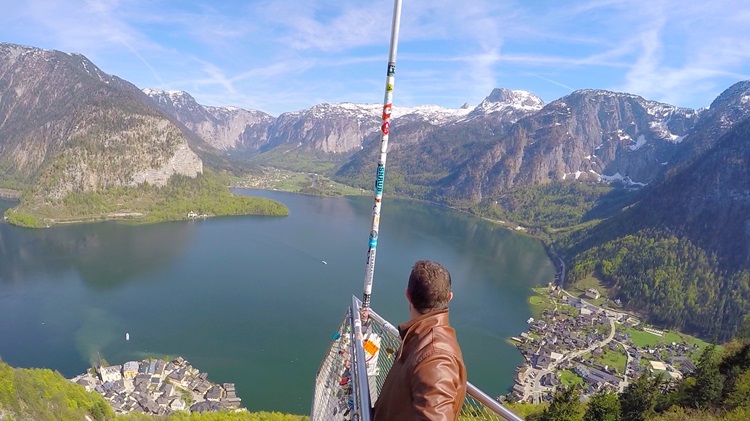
{"points": [[491, 403], [362, 387]]}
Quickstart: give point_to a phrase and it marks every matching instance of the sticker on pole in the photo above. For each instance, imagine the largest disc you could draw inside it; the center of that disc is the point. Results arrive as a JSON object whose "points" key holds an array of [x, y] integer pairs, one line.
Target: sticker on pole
{"points": [[386, 127], [387, 111]]}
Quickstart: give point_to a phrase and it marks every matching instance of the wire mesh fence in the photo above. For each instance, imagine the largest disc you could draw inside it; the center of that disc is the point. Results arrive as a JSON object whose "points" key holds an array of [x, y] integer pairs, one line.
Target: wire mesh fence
{"points": [[337, 396], [333, 397]]}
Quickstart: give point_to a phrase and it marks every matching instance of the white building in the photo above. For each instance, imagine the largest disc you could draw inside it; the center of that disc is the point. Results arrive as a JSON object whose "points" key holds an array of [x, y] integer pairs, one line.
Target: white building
{"points": [[112, 373], [593, 294], [177, 405]]}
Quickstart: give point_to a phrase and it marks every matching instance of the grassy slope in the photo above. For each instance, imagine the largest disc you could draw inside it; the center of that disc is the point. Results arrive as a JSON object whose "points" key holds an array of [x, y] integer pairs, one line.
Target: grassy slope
{"points": [[42, 394]]}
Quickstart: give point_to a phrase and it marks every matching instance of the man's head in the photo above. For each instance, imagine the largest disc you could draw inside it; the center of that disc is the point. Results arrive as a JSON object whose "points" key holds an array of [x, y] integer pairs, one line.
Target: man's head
{"points": [[429, 287]]}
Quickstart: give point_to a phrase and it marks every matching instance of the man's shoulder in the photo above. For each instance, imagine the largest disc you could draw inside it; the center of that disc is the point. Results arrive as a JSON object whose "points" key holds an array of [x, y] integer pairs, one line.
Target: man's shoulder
{"points": [[443, 334], [441, 342]]}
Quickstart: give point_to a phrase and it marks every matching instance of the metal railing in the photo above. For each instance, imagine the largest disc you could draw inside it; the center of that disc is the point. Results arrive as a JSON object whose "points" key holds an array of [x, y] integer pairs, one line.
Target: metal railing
{"points": [[353, 371]]}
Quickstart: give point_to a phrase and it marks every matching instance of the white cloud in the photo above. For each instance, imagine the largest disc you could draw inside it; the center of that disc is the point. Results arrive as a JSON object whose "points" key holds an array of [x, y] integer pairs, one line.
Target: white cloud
{"points": [[691, 49], [274, 54]]}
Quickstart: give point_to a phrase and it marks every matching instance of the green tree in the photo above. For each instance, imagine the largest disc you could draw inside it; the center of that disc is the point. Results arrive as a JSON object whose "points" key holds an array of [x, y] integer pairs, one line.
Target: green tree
{"points": [[638, 400], [739, 397], [603, 407], [744, 330], [565, 406], [709, 382]]}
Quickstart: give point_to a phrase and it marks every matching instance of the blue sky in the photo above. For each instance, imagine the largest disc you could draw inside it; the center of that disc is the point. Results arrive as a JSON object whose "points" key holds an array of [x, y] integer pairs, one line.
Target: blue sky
{"points": [[286, 55]]}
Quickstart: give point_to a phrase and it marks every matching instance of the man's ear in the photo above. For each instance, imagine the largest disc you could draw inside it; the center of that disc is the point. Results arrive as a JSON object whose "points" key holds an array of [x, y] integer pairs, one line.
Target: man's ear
{"points": [[406, 292], [450, 296]]}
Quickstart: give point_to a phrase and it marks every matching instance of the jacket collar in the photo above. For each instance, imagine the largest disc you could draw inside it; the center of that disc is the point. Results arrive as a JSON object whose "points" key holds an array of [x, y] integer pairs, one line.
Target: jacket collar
{"points": [[424, 322]]}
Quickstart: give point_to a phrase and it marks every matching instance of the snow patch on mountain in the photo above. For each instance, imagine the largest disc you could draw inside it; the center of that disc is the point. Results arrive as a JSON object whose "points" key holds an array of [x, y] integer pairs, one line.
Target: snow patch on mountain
{"points": [[620, 135], [638, 143], [577, 175], [178, 99], [433, 114], [660, 127], [624, 179]]}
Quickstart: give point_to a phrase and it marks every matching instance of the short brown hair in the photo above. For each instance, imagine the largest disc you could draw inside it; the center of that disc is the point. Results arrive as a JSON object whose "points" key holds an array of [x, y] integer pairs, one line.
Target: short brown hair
{"points": [[429, 286]]}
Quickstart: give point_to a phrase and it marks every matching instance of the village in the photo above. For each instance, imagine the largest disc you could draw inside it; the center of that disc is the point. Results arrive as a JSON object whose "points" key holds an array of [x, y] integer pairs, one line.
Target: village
{"points": [[159, 387], [577, 342]]}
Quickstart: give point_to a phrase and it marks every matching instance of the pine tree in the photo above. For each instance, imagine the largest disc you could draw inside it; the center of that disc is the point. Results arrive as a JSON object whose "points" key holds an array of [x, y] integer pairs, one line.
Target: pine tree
{"points": [[565, 406], [639, 398], [709, 382], [603, 407]]}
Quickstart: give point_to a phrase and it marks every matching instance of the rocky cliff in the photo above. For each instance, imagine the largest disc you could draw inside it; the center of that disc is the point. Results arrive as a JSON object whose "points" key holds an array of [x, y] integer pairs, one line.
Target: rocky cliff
{"points": [[730, 108], [225, 128], [587, 135], [424, 150], [67, 126]]}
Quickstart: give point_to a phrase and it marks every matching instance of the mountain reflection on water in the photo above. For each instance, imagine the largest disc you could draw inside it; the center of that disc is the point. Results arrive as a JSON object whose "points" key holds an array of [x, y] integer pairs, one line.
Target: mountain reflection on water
{"points": [[97, 252]]}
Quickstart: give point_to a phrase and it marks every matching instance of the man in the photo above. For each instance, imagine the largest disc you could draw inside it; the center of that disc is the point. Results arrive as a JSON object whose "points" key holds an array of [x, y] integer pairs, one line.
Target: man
{"points": [[428, 378]]}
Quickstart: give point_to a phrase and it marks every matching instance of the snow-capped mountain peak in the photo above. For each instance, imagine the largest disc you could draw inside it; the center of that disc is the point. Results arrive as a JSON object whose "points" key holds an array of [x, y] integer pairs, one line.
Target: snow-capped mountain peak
{"points": [[433, 114], [502, 99]]}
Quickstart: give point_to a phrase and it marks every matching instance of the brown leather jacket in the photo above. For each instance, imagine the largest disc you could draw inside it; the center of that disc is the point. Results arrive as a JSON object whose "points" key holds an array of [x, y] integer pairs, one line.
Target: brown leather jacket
{"points": [[428, 378]]}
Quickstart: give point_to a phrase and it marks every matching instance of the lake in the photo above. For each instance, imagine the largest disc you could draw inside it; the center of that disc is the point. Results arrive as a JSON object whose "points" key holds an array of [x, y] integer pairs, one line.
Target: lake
{"points": [[248, 299]]}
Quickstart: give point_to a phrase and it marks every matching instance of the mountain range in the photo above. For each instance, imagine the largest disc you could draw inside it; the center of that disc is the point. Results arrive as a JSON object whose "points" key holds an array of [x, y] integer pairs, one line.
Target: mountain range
{"points": [[67, 127], [468, 154], [56, 106]]}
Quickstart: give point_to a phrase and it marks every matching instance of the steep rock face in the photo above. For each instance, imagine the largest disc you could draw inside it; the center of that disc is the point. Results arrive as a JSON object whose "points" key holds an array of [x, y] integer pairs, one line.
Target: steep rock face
{"points": [[347, 128], [225, 128], [332, 128], [591, 134], [730, 108], [184, 161], [100, 156], [423, 146], [75, 128]]}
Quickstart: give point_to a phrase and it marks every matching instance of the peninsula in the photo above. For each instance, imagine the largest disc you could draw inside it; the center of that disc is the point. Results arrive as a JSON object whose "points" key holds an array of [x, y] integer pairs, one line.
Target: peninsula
{"points": [[181, 198]]}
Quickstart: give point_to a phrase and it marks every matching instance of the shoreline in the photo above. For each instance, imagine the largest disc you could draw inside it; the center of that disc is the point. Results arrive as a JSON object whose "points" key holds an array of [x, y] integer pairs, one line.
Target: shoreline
{"points": [[10, 194]]}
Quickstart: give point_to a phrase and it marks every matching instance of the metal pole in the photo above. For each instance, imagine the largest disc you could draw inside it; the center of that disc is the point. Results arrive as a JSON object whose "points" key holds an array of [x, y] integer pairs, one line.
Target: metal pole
{"points": [[385, 129]]}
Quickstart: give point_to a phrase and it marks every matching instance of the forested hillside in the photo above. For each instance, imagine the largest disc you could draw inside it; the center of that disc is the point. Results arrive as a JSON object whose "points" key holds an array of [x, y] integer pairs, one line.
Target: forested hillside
{"points": [[682, 253], [549, 208]]}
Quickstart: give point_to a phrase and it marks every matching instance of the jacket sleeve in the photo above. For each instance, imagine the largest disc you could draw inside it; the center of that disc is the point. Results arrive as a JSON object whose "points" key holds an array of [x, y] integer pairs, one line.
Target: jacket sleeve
{"points": [[435, 387]]}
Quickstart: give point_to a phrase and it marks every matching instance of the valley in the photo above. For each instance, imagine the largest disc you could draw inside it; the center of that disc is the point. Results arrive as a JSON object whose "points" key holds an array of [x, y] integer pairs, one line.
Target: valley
{"points": [[649, 198]]}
